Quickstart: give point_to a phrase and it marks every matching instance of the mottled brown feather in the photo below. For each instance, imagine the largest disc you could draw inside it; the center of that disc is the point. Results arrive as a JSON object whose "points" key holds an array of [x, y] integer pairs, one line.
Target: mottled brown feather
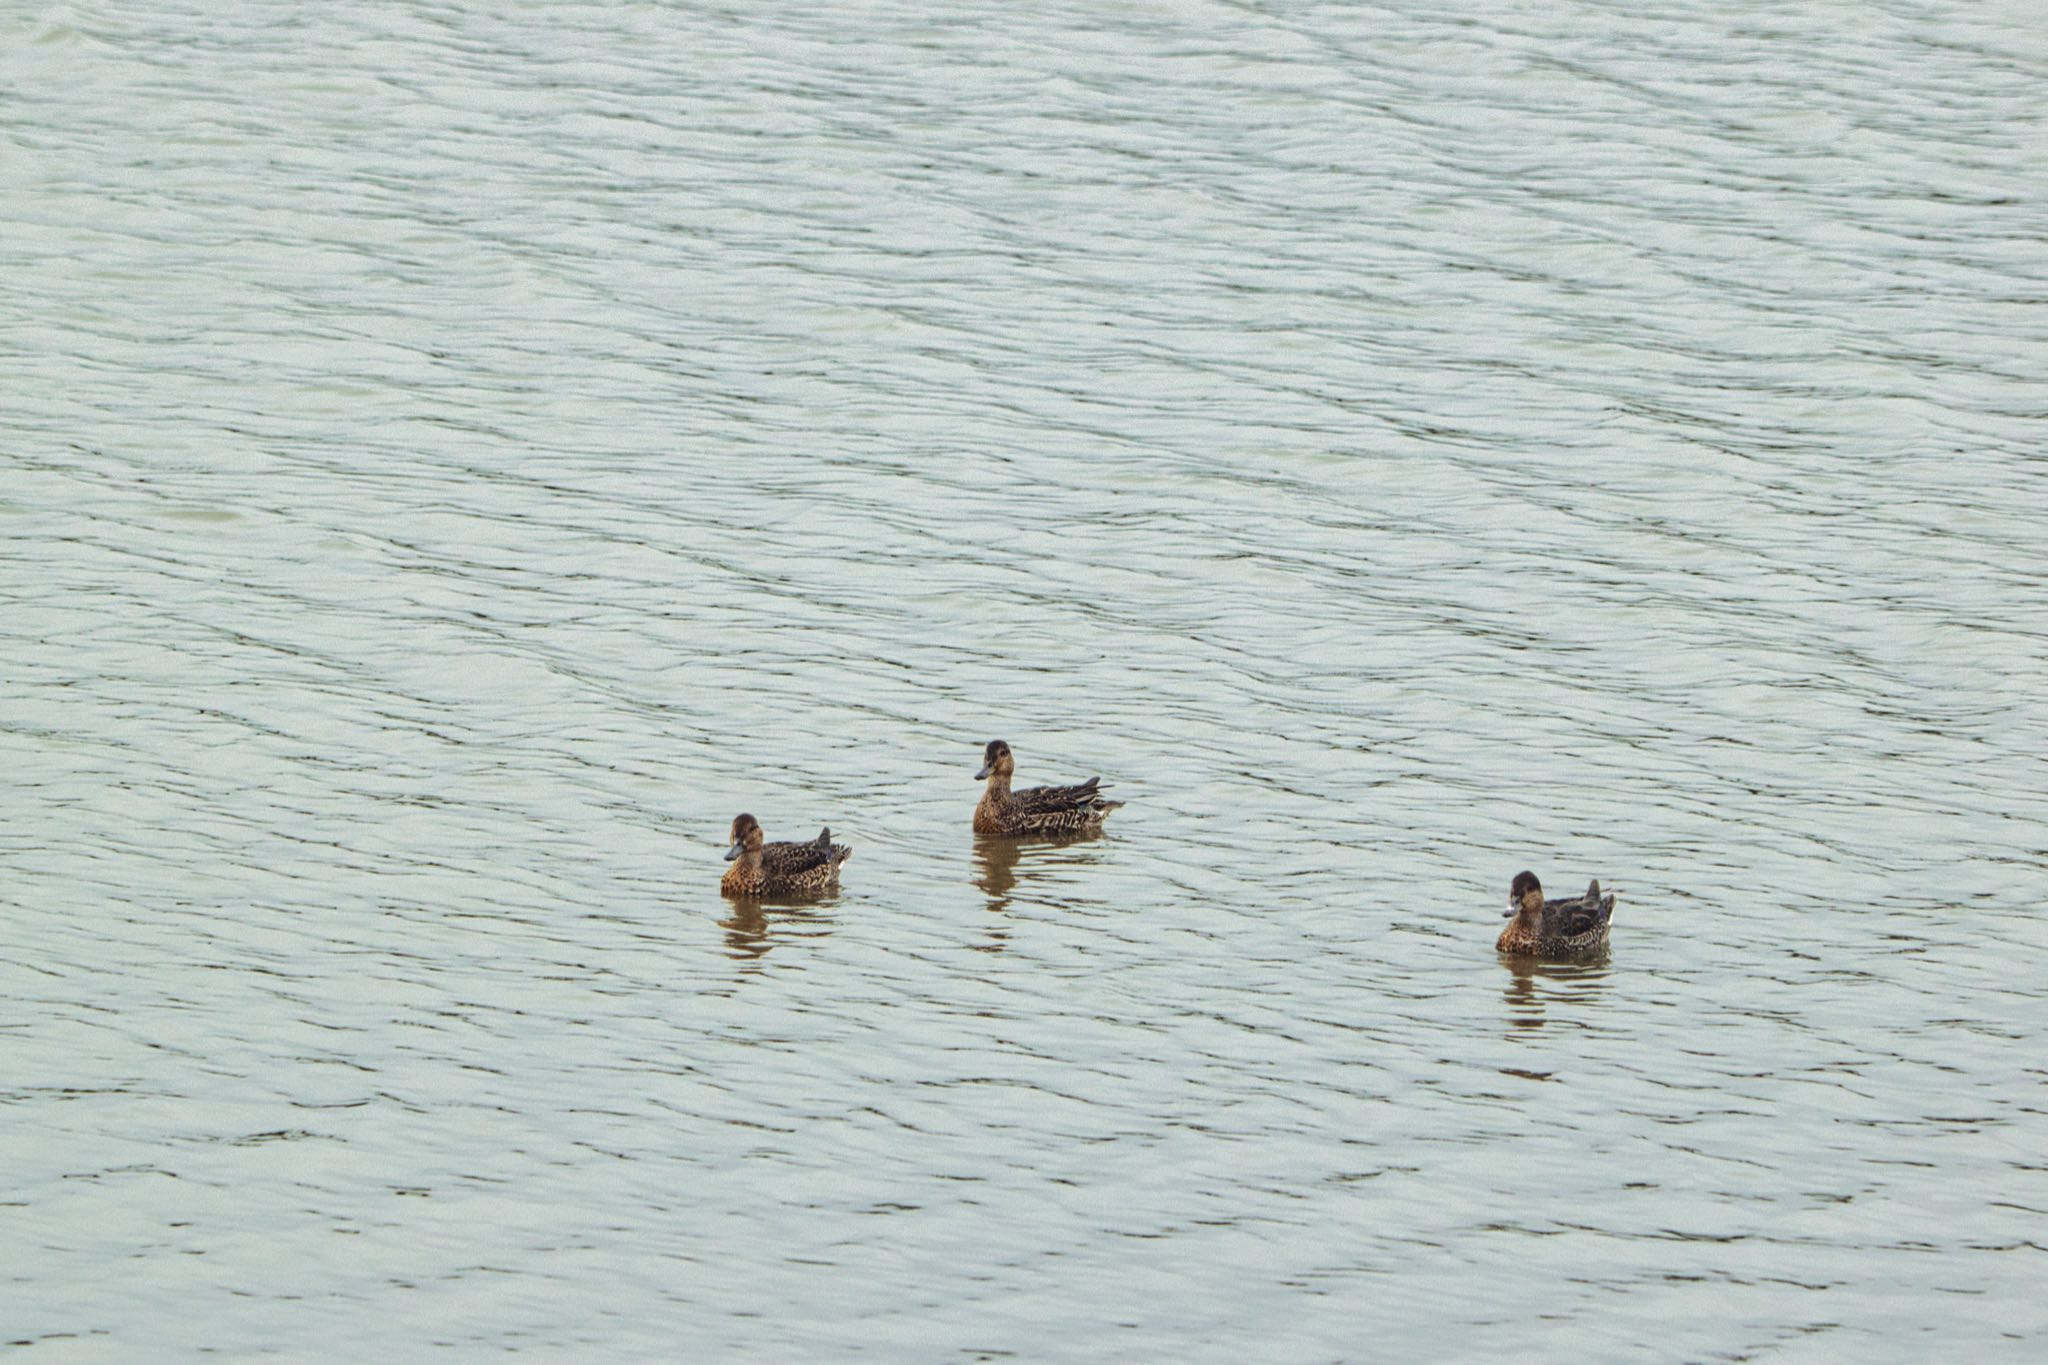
{"points": [[1041, 812], [1574, 926], [787, 869]]}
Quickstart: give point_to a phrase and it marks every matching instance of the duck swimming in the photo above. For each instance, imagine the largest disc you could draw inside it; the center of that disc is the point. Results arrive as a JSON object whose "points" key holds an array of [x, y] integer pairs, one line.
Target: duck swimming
{"points": [[1572, 927], [1035, 812], [780, 869]]}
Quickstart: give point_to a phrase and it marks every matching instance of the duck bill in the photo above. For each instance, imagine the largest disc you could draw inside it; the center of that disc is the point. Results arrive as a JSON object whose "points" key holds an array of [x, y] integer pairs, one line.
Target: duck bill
{"points": [[732, 854], [982, 774], [1508, 913]]}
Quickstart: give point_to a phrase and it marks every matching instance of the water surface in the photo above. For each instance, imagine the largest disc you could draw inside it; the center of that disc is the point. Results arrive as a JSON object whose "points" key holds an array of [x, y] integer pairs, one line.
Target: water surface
{"points": [[455, 457]]}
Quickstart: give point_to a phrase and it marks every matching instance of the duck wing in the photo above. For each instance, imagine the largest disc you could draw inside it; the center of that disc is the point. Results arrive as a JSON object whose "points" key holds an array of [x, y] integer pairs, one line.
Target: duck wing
{"points": [[1053, 800], [1581, 915], [783, 860]]}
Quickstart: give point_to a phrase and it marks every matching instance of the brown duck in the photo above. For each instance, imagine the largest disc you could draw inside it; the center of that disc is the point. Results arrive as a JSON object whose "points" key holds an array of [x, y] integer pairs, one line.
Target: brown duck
{"points": [[780, 869], [1036, 812], [1573, 927]]}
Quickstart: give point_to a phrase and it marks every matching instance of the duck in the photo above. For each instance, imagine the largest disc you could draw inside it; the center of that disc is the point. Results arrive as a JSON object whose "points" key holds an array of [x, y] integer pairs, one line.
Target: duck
{"points": [[1036, 812], [1573, 927], [780, 869]]}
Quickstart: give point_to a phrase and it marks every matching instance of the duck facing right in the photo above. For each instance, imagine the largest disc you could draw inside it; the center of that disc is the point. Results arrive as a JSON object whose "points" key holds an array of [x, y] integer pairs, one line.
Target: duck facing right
{"points": [[1561, 929]]}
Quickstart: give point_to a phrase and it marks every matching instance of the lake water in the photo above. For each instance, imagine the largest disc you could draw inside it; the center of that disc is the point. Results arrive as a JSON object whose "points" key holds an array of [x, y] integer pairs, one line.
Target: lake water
{"points": [[457, 456]]}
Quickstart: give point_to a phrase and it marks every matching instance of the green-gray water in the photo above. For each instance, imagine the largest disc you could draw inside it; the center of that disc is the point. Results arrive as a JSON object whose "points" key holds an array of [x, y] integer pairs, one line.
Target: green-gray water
{"points": [[454, 457]]}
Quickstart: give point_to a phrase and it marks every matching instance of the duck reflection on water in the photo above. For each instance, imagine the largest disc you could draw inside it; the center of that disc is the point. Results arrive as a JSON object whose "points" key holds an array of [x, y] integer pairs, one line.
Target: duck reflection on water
{"points": [[1534, 984], [1001, 861], [756, 926], [995, 869]]}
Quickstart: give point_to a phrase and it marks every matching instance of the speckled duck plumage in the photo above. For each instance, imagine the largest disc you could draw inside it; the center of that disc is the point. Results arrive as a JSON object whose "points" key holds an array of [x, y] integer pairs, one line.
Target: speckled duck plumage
{"points": [[780, 869], [1035, 812], [1573, 927]]}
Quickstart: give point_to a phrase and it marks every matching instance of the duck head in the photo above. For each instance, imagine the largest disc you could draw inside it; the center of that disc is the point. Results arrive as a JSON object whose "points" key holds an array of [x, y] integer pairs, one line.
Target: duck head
{"points": [[1525, 894], [996, 761], [746, 837]]}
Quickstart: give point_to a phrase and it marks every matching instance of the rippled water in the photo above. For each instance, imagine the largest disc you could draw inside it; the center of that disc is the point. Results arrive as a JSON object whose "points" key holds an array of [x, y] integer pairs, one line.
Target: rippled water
{"points": [[457, 456]]}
